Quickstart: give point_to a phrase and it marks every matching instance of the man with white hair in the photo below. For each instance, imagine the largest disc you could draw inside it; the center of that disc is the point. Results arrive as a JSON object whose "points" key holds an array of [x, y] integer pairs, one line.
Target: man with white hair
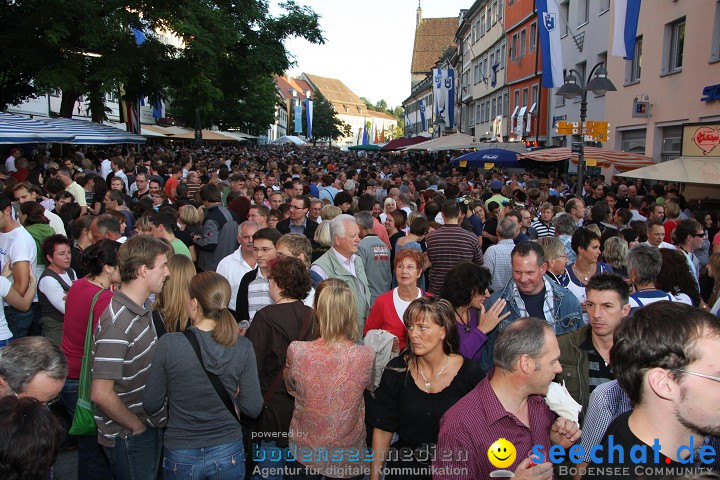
{"points": [[342, 262]]}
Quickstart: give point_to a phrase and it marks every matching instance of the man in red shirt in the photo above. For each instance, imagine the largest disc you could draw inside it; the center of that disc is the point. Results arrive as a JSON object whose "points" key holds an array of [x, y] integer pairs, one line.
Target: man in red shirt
{"points": [[173, 182]]}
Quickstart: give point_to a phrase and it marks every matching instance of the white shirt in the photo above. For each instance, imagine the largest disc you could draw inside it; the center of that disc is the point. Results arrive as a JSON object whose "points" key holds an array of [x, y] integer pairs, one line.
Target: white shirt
{"points": [[18, 246], [105, 168], [10, 164], [5, 287], [348, 264], [56, 222], [664, 245], [233, 268], [400, 304], [54, 291]]}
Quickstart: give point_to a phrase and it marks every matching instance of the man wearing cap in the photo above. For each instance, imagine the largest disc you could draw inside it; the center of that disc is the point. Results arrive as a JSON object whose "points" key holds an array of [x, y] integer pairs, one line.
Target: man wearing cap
{"points": [[495, 188]]}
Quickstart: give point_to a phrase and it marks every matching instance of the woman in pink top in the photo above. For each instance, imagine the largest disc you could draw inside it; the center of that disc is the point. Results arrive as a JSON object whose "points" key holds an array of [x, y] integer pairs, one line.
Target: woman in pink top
{"points": [[327, 377]]}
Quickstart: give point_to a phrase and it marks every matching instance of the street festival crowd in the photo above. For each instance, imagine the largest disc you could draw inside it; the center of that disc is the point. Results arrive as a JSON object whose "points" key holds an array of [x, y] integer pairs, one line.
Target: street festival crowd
{"points": [[306, 313]]}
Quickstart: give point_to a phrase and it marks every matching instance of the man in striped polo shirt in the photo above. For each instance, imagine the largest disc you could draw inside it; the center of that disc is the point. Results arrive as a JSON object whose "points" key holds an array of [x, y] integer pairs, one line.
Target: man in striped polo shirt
{"points": [[450, 245], [124, 344]]}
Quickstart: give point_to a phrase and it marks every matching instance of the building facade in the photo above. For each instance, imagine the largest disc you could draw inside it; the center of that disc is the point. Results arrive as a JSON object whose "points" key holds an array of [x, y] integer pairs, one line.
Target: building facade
{"points": [[585, 30], [527, 100], [677, 55]]}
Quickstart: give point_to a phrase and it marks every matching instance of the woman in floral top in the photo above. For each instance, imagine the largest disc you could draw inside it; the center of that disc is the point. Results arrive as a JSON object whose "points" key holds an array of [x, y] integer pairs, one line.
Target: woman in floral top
{"points": [[327, 377]]}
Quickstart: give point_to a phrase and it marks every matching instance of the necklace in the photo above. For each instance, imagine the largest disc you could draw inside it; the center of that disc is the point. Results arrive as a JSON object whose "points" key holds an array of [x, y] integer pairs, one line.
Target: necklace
{"points": [[466, 325], [427, 382], [587, 275]]}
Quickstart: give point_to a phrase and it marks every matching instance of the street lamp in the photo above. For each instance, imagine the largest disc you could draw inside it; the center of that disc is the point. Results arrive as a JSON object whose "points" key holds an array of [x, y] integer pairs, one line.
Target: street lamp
{"points": [[599, 84], [439, 126]]}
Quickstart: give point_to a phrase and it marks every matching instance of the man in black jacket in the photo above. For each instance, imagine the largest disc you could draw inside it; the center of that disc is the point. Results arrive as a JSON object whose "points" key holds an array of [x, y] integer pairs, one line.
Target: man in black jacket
{"points": [[298, 221]]}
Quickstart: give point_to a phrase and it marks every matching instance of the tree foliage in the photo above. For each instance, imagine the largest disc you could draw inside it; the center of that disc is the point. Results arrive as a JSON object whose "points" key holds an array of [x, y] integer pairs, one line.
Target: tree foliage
{"points": [[325, 121], [223, 66]]}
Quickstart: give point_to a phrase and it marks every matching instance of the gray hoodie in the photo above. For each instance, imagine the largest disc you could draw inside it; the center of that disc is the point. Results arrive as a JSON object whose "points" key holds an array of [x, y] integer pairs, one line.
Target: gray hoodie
{"points": [[196, 416]]}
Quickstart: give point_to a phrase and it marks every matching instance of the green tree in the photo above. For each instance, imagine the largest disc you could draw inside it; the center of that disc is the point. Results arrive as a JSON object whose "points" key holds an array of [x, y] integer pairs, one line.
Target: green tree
{"points": [[368, 103], [325, 121], [381, 106]]}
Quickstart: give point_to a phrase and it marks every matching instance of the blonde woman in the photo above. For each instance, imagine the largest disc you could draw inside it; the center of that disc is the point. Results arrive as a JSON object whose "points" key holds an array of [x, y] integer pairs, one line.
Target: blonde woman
{"points": [[189, 224], [323, 240], [614, 252], [170, 312], [328, 212], [144, 225], [202, 435], [327, 377], [389, 206]]}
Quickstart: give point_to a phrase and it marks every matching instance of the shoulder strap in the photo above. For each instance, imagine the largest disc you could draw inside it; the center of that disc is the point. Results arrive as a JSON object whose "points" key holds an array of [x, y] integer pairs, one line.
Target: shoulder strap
{"points": [[278, 378], [214, 380], [89, 329]]}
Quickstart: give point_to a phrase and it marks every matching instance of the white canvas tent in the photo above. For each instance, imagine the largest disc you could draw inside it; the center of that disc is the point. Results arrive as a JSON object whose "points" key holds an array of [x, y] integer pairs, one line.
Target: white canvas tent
{"points": [[289, 139], [699, 170], [456, 141]]}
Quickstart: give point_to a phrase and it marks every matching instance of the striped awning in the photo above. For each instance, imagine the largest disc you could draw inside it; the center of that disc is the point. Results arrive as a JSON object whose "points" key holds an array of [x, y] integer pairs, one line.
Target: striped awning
{"points": [[91, 133], [603, 157], [16, 129]]}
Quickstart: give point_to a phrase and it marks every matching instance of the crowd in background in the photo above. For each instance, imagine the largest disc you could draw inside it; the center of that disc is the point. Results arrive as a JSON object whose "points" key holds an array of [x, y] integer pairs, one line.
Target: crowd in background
{"points": [[252, 307]]}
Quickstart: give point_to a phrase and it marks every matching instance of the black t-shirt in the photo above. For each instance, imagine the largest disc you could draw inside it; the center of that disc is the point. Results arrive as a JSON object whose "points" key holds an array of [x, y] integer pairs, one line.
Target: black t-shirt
{"points": [[491, 228], [534, 304], [628, 469]]}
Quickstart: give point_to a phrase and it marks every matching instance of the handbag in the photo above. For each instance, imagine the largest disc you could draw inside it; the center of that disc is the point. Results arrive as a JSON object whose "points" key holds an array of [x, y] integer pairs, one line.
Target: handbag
{"points": [[84, 420]]}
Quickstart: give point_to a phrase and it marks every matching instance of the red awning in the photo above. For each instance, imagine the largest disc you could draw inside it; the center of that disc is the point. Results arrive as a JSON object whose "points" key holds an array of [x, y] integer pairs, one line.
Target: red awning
{"points": [[604, 157], [403, 142]]}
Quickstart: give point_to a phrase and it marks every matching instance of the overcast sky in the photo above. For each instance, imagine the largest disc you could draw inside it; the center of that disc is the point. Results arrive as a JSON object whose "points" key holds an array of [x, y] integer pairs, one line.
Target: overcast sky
{"points": [[368, 44]]}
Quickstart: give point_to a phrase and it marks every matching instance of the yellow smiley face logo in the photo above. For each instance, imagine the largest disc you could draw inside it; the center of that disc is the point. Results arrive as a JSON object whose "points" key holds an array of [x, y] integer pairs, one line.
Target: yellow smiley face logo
{"points": [[502, 453]]}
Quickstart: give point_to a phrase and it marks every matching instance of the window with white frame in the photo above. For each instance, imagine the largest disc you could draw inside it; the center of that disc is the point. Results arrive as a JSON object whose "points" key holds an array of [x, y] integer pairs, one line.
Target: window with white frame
{"points": [[482, 24], [517, 98], [496, 12], [472, 115], [492, 59], [478, 111], [489, 18], [500, 8], [564, 13], [677, 44], [533, 36], [602, 58], [502, 55], [522, 43], [478, 23], [506, 105], [485, 67], [474, 34], [513, 47], [534, 96], [487, 111], [715, 45], [583, 12], [482, 112], [604, 6]]}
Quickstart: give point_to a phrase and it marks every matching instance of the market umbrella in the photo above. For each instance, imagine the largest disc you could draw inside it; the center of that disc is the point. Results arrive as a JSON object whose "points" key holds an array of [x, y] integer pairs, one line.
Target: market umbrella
{"points": [[701, 170], [209, 135], [402, 142], [368, 147], [20, 129], [603, 157], [495, 156], [289, 139], [91, 133]]}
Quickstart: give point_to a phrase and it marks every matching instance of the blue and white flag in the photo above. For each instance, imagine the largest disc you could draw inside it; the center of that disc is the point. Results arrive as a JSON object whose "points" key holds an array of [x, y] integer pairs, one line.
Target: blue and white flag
{"points": [[421, 106], [298, 117], [407, 121], [627, 13], [549, 21], [444, 95], [159, 109], [309, 113], [493, 78], [139, 36], [365, 133]]}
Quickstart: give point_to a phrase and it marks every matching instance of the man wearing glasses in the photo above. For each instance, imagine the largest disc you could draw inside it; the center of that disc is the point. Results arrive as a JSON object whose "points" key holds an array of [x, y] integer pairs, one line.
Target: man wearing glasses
{"points": [[665, 359], [690, 237], [298, 222], [32, 367]]}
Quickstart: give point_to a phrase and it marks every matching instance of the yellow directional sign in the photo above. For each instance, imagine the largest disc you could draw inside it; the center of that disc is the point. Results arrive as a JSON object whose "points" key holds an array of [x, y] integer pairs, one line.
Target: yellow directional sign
{"points": [[597, 131]]}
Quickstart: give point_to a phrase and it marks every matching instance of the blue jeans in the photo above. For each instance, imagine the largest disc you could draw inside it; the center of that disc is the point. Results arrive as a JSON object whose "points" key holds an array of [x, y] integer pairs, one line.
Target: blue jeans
{"points": [[24, 324], [6, 342], [221, 462], [136, 457], [298, 471], [271, 457], [92, 462]]}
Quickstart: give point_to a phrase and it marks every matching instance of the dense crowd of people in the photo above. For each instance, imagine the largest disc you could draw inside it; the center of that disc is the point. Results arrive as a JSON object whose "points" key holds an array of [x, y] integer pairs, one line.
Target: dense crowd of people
{"points": [[306, 313]]}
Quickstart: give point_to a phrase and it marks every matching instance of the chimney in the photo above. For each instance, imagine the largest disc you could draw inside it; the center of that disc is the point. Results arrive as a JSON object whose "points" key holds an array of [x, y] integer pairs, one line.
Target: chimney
{"points": [[418, 17]]}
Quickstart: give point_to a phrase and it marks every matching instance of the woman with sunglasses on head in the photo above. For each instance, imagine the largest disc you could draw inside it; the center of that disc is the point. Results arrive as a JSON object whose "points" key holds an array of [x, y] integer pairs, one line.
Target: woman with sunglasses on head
{"points": [[423, 382]]}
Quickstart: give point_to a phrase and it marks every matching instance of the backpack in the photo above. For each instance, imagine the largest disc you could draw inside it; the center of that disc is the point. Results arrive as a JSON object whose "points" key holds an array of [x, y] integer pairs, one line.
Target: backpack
{"points": [[227, 238]]}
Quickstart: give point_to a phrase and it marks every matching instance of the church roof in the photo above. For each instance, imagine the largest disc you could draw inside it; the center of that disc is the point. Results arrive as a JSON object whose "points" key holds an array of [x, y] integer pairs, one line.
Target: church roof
{"points": [[432, 37]]}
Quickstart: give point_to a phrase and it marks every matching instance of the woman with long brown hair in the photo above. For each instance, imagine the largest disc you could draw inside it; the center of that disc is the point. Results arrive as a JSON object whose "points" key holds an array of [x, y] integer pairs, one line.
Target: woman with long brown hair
{"points": [[202, 433]]}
